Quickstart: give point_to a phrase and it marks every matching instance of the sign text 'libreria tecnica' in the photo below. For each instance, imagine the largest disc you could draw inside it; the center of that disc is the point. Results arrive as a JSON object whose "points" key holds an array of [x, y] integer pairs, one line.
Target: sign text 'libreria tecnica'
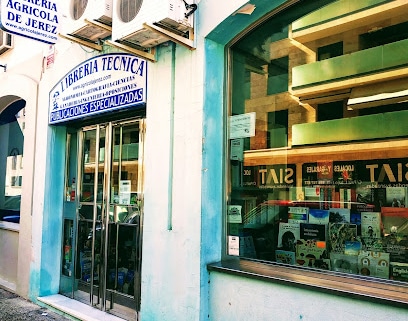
{"points": [[101, 84]]}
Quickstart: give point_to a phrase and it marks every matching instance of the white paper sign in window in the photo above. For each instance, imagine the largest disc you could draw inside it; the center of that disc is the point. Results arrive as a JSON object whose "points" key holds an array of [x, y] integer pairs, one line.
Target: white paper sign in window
{"points": [[242, 125]]}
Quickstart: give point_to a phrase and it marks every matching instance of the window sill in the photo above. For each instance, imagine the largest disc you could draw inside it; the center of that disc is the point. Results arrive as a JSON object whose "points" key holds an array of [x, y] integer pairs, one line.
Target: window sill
{"points": [[391, 292]]}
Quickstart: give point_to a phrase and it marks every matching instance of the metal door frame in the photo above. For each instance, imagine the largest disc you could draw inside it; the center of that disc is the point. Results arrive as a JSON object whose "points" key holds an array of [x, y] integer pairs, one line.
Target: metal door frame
{"points": [[101, 297]]}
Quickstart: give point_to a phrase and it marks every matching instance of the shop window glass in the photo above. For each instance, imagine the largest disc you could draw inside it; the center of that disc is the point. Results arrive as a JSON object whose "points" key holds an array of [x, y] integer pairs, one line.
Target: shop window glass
{"points": [[11, 160], [338, 206]]}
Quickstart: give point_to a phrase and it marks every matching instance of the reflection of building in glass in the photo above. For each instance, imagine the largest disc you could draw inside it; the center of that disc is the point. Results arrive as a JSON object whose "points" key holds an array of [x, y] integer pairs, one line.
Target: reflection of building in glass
{"points": [[14, 176], [329, 92], [12, 125]]}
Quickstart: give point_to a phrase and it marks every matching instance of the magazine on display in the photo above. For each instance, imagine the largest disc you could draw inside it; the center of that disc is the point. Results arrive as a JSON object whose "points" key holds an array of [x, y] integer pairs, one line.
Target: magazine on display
{"points": [[312, 253], [395, 229], [339, 233], [289, 233], [371, 231], [371, 244], [371, 225], [399, 271], [327, 196], [352, 247], [398, 251], [345, 197], [372, 263], [318, 216], [363, 192], [395, 221], [298, 214], [247, 247], [286, 257], [313, 231], [339, 215], [396, 196], [378, 197], [364, 197], [355, 218], [344, 263]]}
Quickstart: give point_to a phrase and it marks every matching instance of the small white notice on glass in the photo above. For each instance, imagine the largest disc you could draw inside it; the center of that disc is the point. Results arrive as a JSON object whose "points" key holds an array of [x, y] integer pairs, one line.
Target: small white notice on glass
{"points": [[242, 125], [234, 214], [124, 191], [233, 245], [237, 149]]}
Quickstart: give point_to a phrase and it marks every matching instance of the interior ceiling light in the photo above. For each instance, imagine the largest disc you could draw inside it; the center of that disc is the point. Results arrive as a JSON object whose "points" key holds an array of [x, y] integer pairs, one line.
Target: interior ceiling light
{"points": [[245, 9]]}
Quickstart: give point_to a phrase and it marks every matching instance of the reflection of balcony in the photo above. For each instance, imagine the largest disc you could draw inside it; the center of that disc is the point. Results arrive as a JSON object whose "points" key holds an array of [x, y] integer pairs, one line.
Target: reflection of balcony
{"points": [[344, 15], [129, 152], [361, 67], [386, 125]]}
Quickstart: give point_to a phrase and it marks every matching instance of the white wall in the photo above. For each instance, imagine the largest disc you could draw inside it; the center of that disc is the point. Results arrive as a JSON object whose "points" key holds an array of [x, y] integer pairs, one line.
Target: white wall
{"points": [[9, 250], [22, 83], [234, 298], [171, 248]]}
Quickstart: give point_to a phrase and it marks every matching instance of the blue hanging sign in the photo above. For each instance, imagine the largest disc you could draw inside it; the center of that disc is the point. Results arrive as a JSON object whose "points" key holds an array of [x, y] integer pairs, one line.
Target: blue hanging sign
{"points": [[101, 84], [35, 19]]}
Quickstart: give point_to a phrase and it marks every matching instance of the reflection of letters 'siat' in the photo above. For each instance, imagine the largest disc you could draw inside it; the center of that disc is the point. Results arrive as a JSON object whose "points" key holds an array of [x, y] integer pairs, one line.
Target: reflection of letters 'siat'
{"points": [[283, 176]]}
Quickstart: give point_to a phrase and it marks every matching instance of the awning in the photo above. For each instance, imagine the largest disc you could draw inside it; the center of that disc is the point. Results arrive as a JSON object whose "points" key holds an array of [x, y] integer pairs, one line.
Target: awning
{"points": [[390, 92]]}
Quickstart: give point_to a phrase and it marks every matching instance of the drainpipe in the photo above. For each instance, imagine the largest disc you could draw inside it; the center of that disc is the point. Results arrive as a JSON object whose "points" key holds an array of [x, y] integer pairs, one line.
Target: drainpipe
{"points": [[171, 138]]}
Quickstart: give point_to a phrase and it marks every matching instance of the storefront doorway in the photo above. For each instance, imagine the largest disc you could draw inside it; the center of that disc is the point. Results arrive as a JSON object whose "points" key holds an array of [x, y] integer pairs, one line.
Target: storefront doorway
{"points": [[103, 217]]}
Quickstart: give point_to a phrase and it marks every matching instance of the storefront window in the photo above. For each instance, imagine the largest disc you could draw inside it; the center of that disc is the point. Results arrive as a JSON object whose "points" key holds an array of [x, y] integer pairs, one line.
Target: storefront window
{"points": [[318, 166], [11, 161]]}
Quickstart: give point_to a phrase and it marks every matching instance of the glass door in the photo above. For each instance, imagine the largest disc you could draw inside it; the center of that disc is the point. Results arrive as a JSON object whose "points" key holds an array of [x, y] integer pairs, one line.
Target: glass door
{"points": [[67, 279], [109, 212], [124, 220], [91, 211]]}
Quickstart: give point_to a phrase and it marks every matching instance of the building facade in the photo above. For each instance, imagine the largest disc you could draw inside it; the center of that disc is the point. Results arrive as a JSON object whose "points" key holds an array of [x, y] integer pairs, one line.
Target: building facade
{"points": [[216, 161]]}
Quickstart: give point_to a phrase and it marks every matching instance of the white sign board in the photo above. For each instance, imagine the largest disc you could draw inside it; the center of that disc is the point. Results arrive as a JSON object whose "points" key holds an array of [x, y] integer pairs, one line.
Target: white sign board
{"points": [[124, 191], [98, 85], [234, 214], [237, 149], [233, 245], [242, 125], [35, 19]]}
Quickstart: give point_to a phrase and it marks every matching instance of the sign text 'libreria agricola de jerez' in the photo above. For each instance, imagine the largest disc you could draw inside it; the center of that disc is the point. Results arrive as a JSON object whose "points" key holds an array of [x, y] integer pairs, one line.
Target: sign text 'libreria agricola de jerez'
{"points": [[35, 19], [98, 85]]}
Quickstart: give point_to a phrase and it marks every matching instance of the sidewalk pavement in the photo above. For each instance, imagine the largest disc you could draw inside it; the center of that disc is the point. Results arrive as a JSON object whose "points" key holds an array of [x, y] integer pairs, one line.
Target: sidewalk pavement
{"points": [[16, 308]]}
